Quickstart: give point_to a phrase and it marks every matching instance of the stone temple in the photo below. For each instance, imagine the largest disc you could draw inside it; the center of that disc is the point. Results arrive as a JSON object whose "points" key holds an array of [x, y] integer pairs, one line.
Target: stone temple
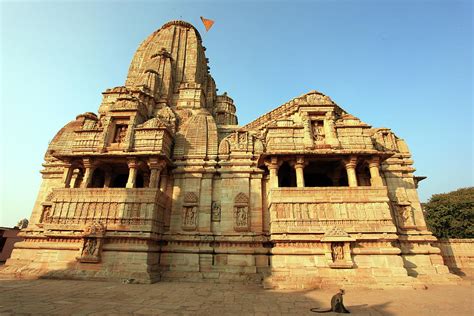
{"points": [[162, 184]]}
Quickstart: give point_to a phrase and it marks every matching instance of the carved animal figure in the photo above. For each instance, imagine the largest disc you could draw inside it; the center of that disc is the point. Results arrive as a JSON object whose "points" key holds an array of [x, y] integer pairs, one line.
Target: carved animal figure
{"points": [[337, 304]]}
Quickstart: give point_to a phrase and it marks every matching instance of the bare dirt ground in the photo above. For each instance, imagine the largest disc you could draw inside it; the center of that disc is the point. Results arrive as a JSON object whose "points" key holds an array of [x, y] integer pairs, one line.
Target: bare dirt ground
{"points": [[65, 297]]}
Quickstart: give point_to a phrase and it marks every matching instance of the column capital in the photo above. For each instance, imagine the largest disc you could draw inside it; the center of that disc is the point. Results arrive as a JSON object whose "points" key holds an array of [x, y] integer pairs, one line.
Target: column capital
{"points": [[132, 163], [351, 161], [273, 163], [155, 163], [374, 161], [300, 162], [88, 162]]}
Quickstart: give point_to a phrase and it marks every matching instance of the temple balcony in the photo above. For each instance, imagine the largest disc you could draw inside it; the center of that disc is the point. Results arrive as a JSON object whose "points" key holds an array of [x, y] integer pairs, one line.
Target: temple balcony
{"points": [[314, 210], [116, 208]]}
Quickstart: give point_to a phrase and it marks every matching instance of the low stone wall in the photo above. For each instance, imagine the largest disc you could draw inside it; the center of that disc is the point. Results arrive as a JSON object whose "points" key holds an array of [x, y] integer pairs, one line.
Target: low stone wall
{"points": [[458, 255]]}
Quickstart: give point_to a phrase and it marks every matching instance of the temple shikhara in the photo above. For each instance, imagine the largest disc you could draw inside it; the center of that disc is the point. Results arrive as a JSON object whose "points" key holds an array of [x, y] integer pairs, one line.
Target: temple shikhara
{"points": [[163, 184]]}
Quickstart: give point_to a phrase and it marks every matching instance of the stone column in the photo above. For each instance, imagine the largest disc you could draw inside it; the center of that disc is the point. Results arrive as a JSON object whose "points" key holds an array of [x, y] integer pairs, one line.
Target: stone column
{"points": [[163, 182], [67, 176], [273, 168], [330, 131], [132, 173], [299, 166], [375, 179], [108, 179], [155, 170], [351, 164], [89, 169]]}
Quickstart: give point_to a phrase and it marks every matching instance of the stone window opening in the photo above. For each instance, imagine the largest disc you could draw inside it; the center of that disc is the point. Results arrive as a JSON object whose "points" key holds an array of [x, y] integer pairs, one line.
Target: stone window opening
{"points": [[286, 175], [325, 174], [98, 178], [119, 175]]}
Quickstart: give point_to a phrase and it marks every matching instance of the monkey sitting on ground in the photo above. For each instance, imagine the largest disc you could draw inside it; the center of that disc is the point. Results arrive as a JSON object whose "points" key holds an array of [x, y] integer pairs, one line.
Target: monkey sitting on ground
{"points": [[337, 304]]}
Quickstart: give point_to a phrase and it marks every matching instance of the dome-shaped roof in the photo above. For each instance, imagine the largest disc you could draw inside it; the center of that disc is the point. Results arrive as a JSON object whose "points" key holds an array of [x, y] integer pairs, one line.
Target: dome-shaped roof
{"points": [[197, 138], [62, 142]]}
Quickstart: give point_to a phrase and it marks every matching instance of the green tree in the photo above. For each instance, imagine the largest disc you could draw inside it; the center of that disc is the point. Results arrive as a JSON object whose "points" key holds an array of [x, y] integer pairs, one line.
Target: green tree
{"points": [[451, 215]]}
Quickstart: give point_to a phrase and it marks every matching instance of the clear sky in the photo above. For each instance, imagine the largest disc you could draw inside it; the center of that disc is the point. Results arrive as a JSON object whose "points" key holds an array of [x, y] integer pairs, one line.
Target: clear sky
{"points": [[406, 65]]}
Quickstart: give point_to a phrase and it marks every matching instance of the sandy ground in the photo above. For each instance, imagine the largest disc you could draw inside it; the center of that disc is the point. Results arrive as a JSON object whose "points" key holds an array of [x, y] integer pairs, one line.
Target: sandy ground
{"points": [[64, 297]]}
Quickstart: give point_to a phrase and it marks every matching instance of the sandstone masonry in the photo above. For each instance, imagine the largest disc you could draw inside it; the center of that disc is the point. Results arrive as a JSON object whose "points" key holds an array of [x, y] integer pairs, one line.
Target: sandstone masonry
{"points": [[163, 184]]}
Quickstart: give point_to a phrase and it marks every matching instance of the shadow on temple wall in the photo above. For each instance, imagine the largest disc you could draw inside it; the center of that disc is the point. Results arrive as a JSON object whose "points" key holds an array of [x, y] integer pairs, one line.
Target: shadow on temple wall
{"points": [[448, 257]]}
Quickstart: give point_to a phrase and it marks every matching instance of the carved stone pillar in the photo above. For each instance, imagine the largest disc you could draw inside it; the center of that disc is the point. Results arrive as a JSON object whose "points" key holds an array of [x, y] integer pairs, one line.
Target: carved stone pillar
{"points": [[108, 179], [163, 182], [351, 164], [299, 166], [132, 173], [155, 170], [273, 169], [67, 176], [330, 131], [128, 143], [375, 179], [89, 170]]}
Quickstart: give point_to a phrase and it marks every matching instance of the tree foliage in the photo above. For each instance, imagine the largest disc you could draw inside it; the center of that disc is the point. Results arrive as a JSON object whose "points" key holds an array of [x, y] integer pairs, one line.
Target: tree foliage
{"points": [[451, 215]]}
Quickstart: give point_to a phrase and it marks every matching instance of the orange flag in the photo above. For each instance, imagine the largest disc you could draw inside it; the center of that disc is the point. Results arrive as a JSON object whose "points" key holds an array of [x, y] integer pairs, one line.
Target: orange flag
{"points": [[207, 23]]}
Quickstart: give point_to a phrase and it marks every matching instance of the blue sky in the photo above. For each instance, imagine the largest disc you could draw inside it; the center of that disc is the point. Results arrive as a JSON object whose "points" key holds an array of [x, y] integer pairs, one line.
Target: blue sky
{"points": [[406, 65]]}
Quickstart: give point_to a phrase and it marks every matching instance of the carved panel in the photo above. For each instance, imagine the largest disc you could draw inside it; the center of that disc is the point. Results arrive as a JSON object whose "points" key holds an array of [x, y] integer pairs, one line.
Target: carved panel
{"points": [[241, 212], [190, 211], [216, 211]]}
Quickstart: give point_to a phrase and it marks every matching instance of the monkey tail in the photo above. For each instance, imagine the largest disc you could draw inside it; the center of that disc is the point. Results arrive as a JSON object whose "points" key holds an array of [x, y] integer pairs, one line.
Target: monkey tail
{"points": [[315, 310]]}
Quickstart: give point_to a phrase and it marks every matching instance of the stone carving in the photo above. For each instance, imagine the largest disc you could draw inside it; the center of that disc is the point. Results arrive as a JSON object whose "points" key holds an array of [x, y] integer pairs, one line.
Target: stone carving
{"points": [[23, 223], [405, 214], [120, 133], [224, 147], [318, 131], [336, 232], [46, 214], [241, 198], [92, 243], [241, 215], [189, 220], [90, 248], [190, 211], [216, 211], [190, 197], [94, 229], [337, 250]]}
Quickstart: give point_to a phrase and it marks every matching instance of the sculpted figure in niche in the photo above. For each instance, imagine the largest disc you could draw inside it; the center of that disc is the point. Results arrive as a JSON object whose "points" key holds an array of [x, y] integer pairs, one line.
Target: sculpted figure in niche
{"points": [[90, 248], [216, 211], [241, 216], [120, 133], [190, 216], [405, 214], [318, 131], [337, 251], [46, 213]]}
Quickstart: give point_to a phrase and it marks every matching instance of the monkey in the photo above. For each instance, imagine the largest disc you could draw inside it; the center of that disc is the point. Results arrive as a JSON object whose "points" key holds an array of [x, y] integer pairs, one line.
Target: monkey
{"points": [[337, 304]]}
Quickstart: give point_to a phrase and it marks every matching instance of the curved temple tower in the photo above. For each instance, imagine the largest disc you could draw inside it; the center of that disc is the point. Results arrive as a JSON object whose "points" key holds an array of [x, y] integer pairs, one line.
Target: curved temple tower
{"points": [[163, 184]]}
